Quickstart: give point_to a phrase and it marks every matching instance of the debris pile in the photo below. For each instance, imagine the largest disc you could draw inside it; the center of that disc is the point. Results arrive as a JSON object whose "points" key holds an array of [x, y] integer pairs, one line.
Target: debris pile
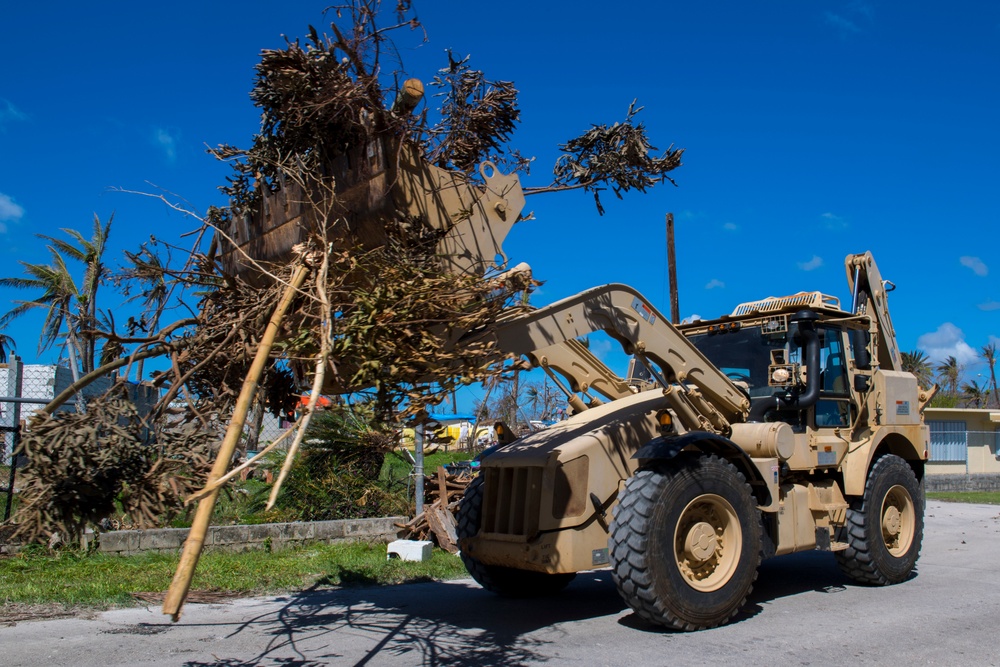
{"points": [[80, 464], [443, 492]]}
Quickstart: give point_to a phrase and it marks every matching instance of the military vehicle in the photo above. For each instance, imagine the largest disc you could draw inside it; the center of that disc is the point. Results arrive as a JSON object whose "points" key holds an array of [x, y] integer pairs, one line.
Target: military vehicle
{"points": [[788, 425]]}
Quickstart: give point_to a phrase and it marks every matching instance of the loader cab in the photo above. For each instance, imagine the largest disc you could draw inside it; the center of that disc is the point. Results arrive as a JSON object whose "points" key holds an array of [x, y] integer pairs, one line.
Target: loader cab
{"points": [[756, 348]]}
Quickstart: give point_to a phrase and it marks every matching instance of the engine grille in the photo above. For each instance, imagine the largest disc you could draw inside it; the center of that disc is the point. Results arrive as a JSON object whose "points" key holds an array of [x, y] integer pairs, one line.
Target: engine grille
{"points": [[512, 501]]}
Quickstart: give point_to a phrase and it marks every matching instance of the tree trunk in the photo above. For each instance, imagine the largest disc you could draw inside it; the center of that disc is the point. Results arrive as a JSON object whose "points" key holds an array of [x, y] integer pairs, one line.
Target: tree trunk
{"points": [[253, 427]]}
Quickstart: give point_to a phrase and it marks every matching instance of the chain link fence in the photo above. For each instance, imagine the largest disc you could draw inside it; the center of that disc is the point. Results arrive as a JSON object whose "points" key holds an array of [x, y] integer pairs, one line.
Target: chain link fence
{"points": [[26, 389]]}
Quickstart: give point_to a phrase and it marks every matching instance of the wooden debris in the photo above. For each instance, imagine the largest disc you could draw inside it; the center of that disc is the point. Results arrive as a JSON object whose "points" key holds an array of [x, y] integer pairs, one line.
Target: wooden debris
{"points": [[443, 526], [443, 493]]}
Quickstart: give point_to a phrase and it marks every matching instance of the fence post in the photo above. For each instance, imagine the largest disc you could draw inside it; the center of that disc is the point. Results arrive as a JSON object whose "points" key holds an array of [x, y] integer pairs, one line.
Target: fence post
{"points": [[15, 373], [418, 468], [13, 473]]}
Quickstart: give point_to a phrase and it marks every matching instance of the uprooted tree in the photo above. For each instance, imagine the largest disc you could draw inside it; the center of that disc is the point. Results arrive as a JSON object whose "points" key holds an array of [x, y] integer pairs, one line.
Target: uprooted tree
{"points": [[355, 256]]}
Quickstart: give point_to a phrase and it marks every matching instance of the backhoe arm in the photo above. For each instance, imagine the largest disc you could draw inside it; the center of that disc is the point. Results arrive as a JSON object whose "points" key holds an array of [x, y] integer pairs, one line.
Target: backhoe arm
{"points": [[870, 298], [703, 397], [585, 372]]}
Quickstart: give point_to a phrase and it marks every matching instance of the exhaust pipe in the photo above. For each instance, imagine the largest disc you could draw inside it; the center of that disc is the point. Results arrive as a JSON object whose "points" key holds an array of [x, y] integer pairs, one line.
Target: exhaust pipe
{"points": [[808, 340]]}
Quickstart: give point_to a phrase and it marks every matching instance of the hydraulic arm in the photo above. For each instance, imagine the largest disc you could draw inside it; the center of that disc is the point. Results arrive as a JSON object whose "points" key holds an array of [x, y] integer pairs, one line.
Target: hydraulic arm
{"points": [[703, 397], [869, 290]]}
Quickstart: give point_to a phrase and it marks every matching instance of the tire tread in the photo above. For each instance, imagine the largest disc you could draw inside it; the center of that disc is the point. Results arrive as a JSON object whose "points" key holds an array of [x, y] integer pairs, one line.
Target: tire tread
{"points": [[629, 542], [857, 561]]}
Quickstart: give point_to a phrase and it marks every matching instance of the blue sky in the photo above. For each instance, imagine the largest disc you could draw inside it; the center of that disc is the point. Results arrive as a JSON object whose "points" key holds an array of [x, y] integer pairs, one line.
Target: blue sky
{"points": [[812, 130]]}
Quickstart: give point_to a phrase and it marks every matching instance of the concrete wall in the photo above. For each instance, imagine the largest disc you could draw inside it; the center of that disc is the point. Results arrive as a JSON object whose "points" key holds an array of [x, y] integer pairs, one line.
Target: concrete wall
{"points": [[242, 538], [962, 482]]}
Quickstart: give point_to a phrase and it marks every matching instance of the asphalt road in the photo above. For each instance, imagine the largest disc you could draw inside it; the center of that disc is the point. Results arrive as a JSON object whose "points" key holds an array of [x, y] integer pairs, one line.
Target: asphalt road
{"points": [[802, 612]]}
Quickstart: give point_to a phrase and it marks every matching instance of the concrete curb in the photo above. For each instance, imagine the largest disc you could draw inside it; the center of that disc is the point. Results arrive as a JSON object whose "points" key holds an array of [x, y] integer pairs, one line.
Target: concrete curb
{"points": [[244, 537]]}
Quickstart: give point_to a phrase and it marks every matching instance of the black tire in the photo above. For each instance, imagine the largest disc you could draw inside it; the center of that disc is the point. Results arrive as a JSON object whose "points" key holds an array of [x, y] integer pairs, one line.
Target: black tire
{"points": [[505, 581], [885, 527], [686, 543]]}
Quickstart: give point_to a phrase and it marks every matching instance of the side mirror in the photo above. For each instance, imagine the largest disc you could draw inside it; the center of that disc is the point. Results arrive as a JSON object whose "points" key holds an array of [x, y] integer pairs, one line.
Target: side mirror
{"points": [[859, 342], [862, 383]]}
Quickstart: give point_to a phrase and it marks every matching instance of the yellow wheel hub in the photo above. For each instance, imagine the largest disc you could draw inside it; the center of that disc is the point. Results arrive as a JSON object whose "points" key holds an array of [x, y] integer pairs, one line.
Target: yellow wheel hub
{"points": [[702, 542], [898, 520], [707, 542]]}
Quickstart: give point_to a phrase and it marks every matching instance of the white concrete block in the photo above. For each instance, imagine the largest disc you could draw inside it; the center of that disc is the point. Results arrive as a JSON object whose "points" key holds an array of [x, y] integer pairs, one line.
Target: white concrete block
{"points": [[413, 550]]}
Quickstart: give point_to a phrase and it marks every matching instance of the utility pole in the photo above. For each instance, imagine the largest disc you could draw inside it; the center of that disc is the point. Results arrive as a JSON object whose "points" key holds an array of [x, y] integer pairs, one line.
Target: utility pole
{"points": [[418, 467], [675, 309]]}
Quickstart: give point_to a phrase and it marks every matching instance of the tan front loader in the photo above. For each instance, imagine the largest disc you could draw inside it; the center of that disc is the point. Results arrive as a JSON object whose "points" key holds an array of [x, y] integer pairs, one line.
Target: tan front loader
{"points": [[785, 426]]}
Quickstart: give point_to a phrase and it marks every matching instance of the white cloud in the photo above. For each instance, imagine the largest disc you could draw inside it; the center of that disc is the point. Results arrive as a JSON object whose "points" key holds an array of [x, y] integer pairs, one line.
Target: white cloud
{"points": [[812, 264], [730, 226], [9, 113], [691, 318], [713, 283], [842, 24], [167, 141], [863, 8], [9, 210], [975, 264], [947, 341], [833, 221], [989, 305], [853, 18]]}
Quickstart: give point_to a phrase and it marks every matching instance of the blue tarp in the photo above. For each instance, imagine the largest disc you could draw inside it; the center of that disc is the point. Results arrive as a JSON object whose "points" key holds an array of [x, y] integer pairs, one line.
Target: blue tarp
{"points": [[441, 418]]}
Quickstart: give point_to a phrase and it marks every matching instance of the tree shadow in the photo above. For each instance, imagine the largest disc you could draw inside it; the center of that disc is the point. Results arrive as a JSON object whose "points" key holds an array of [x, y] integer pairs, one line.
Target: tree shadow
{"points": [[458, 623], [454, 623]]}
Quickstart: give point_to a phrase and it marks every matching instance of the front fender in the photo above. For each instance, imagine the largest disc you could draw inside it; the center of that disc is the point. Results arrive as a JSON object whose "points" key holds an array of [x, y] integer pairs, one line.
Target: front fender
{"points": [[761, 473], [909, 442], [667, 447]]}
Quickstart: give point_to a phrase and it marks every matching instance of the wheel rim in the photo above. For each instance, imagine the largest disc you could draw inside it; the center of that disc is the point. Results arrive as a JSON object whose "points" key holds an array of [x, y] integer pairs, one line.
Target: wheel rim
{"points": [[707, 542], [898, 521]]}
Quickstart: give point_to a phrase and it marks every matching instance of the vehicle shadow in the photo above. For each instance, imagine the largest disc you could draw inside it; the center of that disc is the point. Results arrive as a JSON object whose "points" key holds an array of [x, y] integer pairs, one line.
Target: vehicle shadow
{"points": [[437, 623], [783, 576]]}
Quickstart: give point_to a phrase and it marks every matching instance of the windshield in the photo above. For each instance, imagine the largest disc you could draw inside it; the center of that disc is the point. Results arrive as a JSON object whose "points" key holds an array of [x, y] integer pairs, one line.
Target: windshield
{"points": [[743, 355]]}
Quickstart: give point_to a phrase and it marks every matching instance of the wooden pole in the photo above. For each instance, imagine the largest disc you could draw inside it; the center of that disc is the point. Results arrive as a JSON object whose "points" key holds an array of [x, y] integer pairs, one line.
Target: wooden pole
{"points": [[178, 591], [675, 309]]}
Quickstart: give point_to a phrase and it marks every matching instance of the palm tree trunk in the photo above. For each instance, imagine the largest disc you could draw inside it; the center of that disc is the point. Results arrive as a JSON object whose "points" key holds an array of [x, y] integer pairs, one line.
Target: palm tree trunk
{"points": [[74, 367], [993, 382]]}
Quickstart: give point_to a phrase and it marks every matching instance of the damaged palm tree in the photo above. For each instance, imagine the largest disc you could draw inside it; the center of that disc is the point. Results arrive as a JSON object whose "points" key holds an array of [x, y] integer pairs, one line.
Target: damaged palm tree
{"points": [[361, 252]]}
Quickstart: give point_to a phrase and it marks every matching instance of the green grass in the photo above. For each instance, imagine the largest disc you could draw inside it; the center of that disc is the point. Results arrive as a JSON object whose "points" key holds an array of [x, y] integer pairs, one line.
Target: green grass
{"points": [[397, 468], [100, 580], [976, 497]]}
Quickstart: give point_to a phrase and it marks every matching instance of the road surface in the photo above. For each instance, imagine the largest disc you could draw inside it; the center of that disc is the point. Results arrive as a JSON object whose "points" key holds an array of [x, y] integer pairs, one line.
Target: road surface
{"points": [[802, 612]]}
